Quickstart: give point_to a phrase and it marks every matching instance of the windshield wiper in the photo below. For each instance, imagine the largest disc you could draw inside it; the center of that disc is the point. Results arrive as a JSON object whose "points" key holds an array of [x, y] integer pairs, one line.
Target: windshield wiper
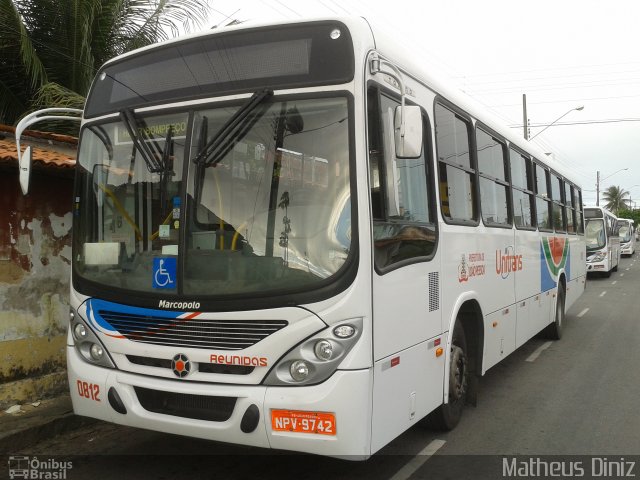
{"points": [[153, 160], [233, 130]]}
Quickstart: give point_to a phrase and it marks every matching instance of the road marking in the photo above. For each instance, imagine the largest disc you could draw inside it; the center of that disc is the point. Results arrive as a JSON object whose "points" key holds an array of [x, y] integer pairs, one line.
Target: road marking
{"points": [[614, 282], [416, 462], [603, 293], [582, 313], [537, 353], [622, 274]]}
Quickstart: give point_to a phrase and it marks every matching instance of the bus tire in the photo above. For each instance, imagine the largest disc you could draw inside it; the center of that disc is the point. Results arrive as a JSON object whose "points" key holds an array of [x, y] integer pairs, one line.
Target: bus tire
{"points": [[447, 415], [554, 330]]}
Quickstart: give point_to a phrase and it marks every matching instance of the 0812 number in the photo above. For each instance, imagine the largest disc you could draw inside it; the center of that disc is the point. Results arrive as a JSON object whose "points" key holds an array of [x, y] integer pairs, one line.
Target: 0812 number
{"points": [[88, 390]]}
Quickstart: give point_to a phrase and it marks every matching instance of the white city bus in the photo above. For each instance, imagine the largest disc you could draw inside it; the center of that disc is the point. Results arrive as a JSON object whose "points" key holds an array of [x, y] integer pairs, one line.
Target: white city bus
{"points": [[603, 242], [292, 236], [626, 230]]}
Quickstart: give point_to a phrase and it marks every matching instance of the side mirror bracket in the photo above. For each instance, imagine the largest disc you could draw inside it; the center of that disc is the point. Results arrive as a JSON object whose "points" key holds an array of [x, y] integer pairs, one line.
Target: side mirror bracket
{"points": [[24, 159]]}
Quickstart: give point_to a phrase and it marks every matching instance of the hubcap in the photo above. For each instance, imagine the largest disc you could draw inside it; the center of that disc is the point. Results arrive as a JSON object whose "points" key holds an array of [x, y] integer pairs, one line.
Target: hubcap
{"points": [[458, 374]]}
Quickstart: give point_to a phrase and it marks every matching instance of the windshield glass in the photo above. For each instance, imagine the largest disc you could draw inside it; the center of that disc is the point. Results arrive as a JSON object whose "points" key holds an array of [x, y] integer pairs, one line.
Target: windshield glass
{"points": [[274, 211], [125, 215], [625, 232], [595, 234], [272, 214]]}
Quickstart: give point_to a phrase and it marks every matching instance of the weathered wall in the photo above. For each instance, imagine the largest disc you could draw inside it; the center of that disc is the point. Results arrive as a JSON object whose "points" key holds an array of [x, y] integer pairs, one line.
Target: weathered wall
{"points": [[35, 261]]}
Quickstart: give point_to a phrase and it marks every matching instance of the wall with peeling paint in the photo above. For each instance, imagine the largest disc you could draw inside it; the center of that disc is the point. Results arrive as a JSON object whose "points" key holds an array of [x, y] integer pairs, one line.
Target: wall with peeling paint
{"points": [[35, 263]]}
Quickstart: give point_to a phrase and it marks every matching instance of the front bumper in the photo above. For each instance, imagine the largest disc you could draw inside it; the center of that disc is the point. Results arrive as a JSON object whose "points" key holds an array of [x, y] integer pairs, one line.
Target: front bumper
{"points": [[347, 394]]}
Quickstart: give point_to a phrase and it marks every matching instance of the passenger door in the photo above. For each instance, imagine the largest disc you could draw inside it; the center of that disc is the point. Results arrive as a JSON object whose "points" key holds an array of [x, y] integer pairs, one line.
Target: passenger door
{"points": [[406, 287]]}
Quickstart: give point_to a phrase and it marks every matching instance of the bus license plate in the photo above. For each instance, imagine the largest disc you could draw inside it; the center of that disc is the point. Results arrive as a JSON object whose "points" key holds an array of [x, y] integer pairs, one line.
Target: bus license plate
{"points": [[303, 422]]}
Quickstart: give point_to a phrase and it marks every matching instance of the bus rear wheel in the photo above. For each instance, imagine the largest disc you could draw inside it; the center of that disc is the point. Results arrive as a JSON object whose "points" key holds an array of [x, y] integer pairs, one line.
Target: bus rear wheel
{"points": [[447, 415], [554, 330]]}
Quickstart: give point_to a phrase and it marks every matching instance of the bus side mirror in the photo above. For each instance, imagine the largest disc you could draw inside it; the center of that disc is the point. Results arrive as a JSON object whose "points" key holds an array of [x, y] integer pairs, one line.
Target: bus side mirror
{"points": [[25, 170], [408, 145]]}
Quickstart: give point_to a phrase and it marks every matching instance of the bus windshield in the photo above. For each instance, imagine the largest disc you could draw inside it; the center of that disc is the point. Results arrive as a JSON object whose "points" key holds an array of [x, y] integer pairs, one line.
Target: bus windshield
{"points": [[595, 234], [625, 232], [272, 213]]}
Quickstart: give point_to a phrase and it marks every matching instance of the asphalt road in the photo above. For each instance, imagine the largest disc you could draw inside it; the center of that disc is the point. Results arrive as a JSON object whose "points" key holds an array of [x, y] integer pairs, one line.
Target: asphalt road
{"points": [[578, 396]]}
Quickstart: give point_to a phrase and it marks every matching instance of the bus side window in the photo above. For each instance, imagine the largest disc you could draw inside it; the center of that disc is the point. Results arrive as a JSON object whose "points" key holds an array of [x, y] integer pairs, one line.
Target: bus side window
{"points": [[494, 186], [457, 175], [570, 208], [522, 190], [543, 200], [401, 201]]}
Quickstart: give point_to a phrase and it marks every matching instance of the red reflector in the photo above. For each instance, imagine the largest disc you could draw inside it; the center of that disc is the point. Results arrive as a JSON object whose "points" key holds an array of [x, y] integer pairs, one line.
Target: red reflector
{"points": [[437, 342], [395, 361]]}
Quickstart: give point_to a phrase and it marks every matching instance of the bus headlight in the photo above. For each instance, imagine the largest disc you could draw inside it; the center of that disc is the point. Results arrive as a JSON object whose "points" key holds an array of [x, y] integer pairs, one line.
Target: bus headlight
{"points": [[299, 370], [87, 343], [323, 350], [317, 358], [79, 332], [96, 352]]}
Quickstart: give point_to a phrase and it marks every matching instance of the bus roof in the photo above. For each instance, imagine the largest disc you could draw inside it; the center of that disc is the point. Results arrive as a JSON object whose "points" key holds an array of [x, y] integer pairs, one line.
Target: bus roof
{"points": [[404, 54]]}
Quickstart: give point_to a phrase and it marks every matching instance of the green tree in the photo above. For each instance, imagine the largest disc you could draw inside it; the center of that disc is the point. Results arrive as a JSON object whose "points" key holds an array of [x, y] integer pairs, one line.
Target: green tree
{"points": [[631, 214], [50, 50], [615, 199]]}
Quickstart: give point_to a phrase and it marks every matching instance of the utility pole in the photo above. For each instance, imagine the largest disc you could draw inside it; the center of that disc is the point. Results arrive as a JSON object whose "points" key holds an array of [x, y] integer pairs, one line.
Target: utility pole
{"points": [[598, 188], [525, 120]]}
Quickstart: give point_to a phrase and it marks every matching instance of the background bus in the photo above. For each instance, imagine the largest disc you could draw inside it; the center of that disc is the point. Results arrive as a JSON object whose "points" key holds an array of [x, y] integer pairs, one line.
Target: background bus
{"points": [[627, 234], [292, 236], [603, 242]]}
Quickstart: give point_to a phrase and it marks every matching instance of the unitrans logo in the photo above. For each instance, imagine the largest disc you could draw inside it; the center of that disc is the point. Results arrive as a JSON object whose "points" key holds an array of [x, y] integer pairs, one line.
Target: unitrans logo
{"points": [[507, 262], [181, 305]]}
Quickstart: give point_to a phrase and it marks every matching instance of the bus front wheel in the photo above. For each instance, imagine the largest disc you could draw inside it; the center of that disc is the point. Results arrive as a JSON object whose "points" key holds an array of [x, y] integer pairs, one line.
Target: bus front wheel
{"points": [[447, 415]]}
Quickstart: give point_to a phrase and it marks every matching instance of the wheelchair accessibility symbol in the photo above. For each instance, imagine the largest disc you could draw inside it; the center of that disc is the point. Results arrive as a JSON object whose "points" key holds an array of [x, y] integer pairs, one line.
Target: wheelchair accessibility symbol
{"points": [[164, 272]]}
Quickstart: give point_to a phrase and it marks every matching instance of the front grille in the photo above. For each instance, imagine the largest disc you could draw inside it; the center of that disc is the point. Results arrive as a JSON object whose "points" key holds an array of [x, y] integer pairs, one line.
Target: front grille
{"points": [[192, 332], [202, 367], [149, 361], [199, 407], [224, 369]]}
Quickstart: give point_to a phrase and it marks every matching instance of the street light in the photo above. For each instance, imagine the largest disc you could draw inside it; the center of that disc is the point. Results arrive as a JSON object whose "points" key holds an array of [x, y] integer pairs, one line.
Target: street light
{"points": [[581, 107], [600, 180], [629, 191]]}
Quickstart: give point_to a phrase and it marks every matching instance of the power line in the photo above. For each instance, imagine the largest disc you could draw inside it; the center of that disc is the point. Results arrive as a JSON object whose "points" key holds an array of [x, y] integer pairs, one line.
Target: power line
{"points": [[580, 122], [565, 86], [328, 7], [614, 97], [290, 9], [531, 79], [340, 7], [515, 72]]}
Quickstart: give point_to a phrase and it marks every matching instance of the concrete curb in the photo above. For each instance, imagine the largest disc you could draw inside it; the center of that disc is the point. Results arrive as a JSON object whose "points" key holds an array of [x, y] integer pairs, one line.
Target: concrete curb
{"points": [[52, 417]]}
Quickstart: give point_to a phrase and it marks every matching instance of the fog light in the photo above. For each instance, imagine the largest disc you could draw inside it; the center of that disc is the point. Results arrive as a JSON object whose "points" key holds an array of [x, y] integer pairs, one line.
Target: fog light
{"points": [[323, 350], [344, 331], [299, 370], [79, 332], [96, 351]]}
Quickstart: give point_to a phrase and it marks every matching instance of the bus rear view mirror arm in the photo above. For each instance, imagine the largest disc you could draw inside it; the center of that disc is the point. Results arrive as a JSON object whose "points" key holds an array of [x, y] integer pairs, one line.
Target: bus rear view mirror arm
{"points": [[24, 160]]}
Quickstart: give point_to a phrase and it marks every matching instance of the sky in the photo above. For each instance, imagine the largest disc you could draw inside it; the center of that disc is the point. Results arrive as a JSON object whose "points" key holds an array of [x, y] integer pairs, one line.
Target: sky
{"points": [[563, 54]]}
